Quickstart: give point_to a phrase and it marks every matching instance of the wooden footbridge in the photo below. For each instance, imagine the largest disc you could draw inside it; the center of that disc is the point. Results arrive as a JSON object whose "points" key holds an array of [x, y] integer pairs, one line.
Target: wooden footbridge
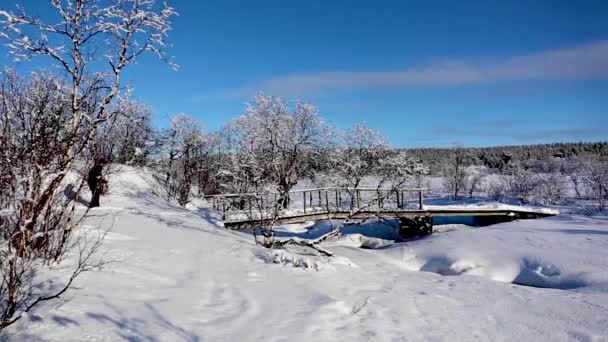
{"points": [[251, 210]]}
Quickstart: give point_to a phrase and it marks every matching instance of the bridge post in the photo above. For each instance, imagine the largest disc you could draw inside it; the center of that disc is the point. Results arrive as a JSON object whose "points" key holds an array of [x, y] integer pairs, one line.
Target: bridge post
{"points": [[398, 202], [416, 226]]}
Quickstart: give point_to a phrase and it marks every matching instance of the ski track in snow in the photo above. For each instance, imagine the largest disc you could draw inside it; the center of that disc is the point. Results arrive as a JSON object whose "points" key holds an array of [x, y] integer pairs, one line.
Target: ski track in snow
{"points": [[179, 276]]}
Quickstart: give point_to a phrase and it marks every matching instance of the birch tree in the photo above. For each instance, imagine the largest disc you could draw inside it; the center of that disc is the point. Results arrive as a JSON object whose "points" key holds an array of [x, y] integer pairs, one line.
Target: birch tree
{"points": [[92, 43]]}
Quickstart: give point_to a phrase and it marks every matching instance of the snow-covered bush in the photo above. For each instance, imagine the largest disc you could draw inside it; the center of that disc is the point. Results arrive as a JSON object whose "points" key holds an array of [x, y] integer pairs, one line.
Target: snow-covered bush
{"points": [[550, 188]]}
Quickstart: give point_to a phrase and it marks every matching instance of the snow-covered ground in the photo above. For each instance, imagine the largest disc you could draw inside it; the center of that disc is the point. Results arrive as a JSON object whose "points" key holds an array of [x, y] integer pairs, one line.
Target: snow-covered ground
{"points": [[180, 276]]}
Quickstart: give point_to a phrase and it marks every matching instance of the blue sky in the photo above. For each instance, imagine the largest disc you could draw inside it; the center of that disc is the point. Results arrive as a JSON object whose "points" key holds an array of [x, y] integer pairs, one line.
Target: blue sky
{"points": [[426, 73]]}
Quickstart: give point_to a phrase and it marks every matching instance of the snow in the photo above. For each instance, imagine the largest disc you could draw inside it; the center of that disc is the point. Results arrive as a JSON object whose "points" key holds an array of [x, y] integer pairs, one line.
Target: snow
{"points": [[493, 206], [179, 275]]}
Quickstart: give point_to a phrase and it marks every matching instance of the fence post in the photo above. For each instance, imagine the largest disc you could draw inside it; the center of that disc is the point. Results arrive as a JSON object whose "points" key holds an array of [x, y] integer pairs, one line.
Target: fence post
{"points": [[327, 200], [223, 210], [420, 199], [358, 198], [337, 205], [304, 200], [398, 202]]}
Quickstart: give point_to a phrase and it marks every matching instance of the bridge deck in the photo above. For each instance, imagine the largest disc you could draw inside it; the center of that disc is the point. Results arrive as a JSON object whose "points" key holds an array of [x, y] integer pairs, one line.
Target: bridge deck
{"points": [[340, 214]]}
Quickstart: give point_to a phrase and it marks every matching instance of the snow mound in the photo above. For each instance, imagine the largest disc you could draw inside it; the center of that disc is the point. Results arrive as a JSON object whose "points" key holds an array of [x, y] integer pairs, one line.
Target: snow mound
{"points": [[549, 253], [361, 241], [530, 271], [538, 273], [301, 259]]}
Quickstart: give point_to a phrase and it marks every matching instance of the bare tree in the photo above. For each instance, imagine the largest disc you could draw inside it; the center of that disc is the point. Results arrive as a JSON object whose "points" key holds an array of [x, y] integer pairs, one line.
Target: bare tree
{"points": [[36, 222], [455, 172]]}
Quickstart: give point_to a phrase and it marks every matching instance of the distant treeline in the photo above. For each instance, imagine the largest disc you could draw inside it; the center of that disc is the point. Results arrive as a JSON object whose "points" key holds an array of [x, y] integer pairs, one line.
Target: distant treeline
{"points": [[498, 157]]}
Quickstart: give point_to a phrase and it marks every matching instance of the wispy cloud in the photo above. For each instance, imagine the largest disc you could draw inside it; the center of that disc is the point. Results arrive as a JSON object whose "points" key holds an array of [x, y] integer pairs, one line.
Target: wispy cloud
{"points": [[518, 131], [581, 62]]}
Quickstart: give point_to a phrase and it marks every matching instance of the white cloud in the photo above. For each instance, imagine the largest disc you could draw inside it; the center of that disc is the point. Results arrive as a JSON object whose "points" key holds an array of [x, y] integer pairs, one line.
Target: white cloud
{"points": [[581, 62]]}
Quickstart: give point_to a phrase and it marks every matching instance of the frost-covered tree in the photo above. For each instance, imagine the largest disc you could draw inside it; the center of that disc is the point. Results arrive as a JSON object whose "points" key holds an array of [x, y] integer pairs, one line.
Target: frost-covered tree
{"points": [[33, 127], [595, 178], [455, 172], [521, 183], [274, 139], [398, 170], [92, 42], [573, 170], [128, 137], [86, 31], [238, 171], [355, 157], [473, 183], [181, 141], [550, 188]]}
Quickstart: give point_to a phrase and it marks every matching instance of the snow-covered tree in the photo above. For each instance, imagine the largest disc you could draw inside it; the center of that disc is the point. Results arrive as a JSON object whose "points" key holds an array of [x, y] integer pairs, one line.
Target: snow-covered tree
{"points": [[181, 142], [521, 183], [128, 137], [595, 178], [550, 188], [275, 139], [92, 43], [355, 157], [455, 172]]}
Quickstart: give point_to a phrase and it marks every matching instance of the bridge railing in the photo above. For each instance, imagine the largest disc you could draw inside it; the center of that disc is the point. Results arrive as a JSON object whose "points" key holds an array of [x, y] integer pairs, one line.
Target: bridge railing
{"points": [[265, 205]]}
